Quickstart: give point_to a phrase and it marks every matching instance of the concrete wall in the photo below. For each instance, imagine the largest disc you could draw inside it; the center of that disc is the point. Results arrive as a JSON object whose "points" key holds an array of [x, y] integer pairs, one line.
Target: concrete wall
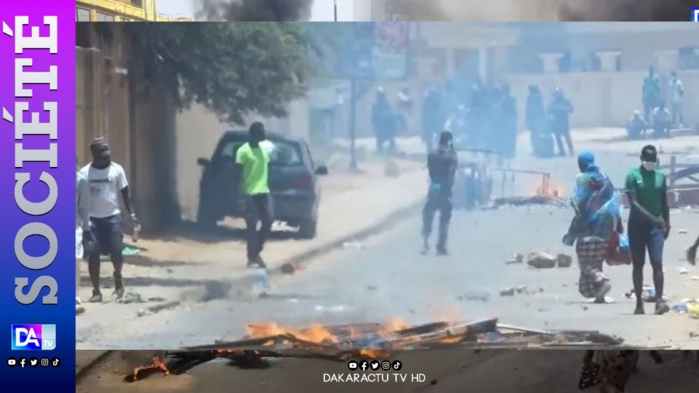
{"points": [[102, 101], [603, 98]]}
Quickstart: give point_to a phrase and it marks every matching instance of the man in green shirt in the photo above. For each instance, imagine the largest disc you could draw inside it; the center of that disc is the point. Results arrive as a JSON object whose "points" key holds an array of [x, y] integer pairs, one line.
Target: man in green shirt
{"points": [[649, 225], [253, 161]]}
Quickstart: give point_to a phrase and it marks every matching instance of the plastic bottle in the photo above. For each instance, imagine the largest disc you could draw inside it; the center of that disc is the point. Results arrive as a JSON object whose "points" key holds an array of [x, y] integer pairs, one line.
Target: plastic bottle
{"points": [[136, 232], [260, 282]]}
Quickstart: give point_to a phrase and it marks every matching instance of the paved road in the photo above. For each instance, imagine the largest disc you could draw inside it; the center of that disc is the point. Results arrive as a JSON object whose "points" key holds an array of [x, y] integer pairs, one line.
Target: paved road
{"points": [[390, 279], [444, 371]]}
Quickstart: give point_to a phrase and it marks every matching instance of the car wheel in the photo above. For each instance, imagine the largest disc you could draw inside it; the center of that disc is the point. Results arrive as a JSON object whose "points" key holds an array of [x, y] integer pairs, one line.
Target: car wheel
{"points": [[308, 229], [205, 218]]}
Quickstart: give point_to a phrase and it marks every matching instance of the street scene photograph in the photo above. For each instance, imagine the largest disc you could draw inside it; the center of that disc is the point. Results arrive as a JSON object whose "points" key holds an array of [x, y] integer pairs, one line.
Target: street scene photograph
{"points": [[433, 371], [387, 186]]}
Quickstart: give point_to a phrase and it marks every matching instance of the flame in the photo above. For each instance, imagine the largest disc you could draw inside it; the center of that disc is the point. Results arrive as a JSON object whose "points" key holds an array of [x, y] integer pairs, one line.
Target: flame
{"points": [[393, 326], [319, 334], [157, 364], [315, 333], [374, 353]]}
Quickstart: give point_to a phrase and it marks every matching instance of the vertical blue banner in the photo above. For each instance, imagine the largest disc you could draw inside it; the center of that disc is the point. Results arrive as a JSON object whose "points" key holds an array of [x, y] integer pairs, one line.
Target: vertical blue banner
{"points": [[37, 206]]}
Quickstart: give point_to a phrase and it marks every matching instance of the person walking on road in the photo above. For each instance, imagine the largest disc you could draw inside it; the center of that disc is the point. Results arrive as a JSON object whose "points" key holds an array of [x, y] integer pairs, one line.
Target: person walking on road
{"points": [[253, 160], [441, 165], [560, 110], [692, 252], [596, 226], [649, 225], [106, 181], [82, 229], [383, 119]]}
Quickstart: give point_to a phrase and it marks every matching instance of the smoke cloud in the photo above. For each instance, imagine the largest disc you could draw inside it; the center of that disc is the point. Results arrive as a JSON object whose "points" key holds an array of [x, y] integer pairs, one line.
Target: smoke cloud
{"points": [[254, 10], [544, 10]]}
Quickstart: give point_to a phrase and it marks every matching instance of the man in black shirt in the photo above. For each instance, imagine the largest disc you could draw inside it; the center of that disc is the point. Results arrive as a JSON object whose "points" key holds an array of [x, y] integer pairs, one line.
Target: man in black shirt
{"points": [[441, 164]]}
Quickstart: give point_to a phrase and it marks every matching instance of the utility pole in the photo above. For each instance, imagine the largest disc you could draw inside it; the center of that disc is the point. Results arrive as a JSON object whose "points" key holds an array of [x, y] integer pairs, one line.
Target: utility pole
{"points": [[354, 96], [335, 9]]}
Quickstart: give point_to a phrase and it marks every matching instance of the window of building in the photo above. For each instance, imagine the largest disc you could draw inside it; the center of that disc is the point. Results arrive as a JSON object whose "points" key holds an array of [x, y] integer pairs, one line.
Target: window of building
{"points": [[125, 20], [102, 17], [82, 15]]}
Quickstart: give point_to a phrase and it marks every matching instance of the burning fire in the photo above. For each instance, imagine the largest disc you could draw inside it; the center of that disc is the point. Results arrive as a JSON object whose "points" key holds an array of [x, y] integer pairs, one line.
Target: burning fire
{"points": [[319, 334], [158, 364]]}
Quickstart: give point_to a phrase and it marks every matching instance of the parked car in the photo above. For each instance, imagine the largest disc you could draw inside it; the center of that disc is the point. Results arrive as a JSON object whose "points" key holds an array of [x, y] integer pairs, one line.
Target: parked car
{"points": [[293, 178]]}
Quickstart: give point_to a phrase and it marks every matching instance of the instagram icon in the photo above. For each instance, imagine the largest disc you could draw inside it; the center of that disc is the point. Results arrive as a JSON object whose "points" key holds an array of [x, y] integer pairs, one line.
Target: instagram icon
{"points": [[33, 337]]}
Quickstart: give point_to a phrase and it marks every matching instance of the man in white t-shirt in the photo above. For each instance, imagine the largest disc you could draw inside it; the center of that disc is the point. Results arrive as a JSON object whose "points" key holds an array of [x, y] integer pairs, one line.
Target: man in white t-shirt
{"points": [[107, 182], [82, 228]]}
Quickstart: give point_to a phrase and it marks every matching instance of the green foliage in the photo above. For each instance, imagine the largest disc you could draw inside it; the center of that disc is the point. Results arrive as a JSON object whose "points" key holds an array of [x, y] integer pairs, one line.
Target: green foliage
{"points": [[233, 69]]}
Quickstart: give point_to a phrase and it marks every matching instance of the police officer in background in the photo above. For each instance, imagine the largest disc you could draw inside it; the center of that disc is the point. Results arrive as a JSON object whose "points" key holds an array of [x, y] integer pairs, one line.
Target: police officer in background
{"points": [[441, 165]]}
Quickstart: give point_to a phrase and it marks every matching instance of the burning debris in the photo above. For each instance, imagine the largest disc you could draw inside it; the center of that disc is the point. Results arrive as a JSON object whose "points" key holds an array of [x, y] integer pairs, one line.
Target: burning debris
{"points": [[359, 341]]}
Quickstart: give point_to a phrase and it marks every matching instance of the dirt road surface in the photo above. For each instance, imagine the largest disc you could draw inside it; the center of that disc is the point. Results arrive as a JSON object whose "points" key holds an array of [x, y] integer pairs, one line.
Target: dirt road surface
{"points": [[387, 277], [444, 371]]}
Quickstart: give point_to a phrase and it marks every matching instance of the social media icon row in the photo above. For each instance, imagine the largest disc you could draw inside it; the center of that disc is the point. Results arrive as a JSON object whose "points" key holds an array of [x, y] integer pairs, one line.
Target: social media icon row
{"points": [[374, 365], [33, 362]]}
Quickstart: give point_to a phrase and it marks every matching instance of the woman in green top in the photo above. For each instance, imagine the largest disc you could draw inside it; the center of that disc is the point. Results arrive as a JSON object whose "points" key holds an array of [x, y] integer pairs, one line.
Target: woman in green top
{"points": [[649, 225]]}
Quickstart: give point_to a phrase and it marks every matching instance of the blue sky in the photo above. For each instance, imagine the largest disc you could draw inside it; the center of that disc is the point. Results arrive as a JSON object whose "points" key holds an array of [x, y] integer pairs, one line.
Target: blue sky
{"points": [[322, 9]]}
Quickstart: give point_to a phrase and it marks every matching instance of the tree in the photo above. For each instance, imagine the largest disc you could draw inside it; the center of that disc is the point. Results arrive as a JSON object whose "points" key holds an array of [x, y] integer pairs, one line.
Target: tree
{"points": [[233, 69]]}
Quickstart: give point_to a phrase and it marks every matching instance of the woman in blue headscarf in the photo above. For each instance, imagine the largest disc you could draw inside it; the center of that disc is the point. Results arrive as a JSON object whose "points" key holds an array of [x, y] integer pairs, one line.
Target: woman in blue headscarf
{"points": [[596, 226]]}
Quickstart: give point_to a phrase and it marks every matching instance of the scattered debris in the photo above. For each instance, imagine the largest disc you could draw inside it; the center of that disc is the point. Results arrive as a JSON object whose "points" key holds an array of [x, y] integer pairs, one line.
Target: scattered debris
{"points": [[480, 297], [563, 260], [687, 306], [682, 231], [288, 268], [130, 251], [517, 258], [129, 298], [683, 271], [648, 294], [507, 292], [531, 201], [541, 260], [353, 245]]}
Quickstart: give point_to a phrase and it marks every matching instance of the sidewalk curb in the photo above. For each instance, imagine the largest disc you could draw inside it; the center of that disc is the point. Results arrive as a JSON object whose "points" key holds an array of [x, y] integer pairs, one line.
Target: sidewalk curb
{"points": [[306, 258]]}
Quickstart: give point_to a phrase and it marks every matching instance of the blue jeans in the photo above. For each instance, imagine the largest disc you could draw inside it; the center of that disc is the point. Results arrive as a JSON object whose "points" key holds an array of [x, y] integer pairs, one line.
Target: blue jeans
{"points": [[646, 237]]}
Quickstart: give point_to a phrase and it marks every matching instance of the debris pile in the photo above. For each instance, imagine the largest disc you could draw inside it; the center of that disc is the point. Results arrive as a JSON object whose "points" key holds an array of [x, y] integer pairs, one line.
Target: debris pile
{"points": [[362, 341], [543, 260], [536, 200]]}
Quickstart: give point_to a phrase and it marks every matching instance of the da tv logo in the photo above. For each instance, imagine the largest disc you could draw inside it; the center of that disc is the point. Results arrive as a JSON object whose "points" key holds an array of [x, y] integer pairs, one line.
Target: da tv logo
{"points": [[33, 337], [695, 14]]}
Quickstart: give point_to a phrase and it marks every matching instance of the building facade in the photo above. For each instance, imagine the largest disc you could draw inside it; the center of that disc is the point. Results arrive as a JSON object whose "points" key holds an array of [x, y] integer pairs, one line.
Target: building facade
{"points": [[118, 11]]}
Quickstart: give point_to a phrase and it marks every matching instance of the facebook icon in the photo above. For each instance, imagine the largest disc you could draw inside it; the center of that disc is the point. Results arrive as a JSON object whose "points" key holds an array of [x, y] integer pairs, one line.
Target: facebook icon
{"points": [[33, 337], [695, 14]]}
